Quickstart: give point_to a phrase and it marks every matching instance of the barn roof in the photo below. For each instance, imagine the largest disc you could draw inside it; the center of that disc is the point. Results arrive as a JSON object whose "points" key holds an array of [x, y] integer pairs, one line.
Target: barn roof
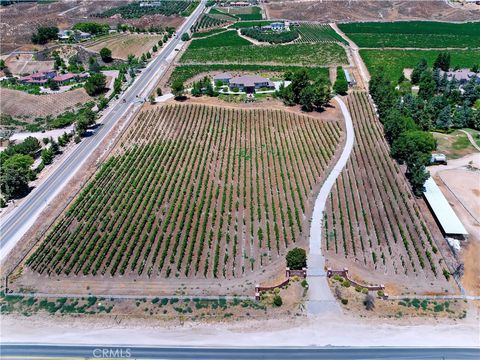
{"points": [[444, 213]]}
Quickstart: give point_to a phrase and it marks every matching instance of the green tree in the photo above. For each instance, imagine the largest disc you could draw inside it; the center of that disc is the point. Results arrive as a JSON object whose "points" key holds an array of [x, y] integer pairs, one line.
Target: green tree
{"points": [[277, 300], [395, 124], [444, 119], [418, 70], [45, 34], [95, 84], [306, 98], [296, 259], [52, 85], [321, 93], [14, 176], [178, 88], [155, 48], [442, 61], [410, 143], [106, 54], [2, 64], [417, 173], [185, 37], [47, 156], [159, 91], [427, 86]]}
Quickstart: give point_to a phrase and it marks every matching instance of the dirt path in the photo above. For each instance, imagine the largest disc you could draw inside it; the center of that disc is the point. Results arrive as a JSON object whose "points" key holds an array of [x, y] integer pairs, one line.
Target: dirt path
{"points": [[353, 50], [471, 139], [320, 298]]}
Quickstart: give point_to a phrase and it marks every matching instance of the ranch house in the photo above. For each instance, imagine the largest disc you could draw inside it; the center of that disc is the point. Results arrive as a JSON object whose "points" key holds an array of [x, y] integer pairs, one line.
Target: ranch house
{"points": [[249, 83], [275, 26], [223, 77]]}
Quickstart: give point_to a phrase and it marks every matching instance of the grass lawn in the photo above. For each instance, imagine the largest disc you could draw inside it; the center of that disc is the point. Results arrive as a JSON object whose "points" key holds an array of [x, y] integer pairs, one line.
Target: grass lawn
{"points": [[298, 54], [455, 145], [392, 62], [203, 34], [245, 24], [185, 72], [224, 39], [419, 34]]}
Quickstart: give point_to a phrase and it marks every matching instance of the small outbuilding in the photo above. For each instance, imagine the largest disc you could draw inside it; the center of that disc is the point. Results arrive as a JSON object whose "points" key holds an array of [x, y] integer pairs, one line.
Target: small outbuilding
{"points": [[448, 221], [223, 77]]}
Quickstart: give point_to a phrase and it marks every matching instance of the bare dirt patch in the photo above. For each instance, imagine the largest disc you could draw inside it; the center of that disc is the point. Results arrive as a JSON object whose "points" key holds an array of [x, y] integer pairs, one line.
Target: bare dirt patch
{"points": [[26, 64], [348, 11], [20, 20], [22, 105], [126, 44]]}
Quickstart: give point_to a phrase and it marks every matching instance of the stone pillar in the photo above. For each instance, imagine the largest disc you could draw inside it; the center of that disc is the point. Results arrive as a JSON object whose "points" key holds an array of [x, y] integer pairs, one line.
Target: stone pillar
{"points": [[287, 273]]}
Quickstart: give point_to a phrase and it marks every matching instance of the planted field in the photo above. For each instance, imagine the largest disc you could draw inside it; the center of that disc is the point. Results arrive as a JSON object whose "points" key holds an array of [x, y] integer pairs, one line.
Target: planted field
{"points": [[134, 10], [372, 220], [194, 191], [126, 44], [213, 49], [186, 72], [208, 33], [392, 62], [311, 33], [207, 22], [245, 24], [416, 34], [28, 107], [246, 13], [224, 39]]}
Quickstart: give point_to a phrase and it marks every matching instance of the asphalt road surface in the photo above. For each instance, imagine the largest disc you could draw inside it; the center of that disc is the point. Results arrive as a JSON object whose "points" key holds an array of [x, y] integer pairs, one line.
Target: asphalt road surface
{"points": [[15, 224], [25, 351]]}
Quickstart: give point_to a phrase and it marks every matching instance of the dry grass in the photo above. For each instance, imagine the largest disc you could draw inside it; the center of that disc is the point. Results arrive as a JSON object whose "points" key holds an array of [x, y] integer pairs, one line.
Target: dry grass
{"points": [[22, 105], [343, 10], [123, 45]]}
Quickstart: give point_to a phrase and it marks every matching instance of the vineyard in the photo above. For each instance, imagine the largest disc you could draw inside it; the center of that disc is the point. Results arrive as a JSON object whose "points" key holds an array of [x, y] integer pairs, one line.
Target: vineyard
{"points": [[416, 34], [392, 62], [194, 191], [134, 10], [207, 22], [371, 220], [311, 33]]}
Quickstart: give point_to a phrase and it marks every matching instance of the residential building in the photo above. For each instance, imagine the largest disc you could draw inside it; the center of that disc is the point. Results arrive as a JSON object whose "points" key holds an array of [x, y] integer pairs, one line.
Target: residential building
{"points": [[461, 75], [38, 78], [223, 77], [275, 26], [249, 83]]}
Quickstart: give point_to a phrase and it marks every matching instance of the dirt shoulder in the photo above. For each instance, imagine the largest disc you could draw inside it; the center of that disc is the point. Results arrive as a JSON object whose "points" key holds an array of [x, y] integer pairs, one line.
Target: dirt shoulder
{"points": [[276, 331]]}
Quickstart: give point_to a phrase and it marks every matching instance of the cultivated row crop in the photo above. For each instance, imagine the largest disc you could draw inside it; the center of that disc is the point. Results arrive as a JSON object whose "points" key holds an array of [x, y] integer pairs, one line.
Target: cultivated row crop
{"points": [[372, 218], [194, 191]]}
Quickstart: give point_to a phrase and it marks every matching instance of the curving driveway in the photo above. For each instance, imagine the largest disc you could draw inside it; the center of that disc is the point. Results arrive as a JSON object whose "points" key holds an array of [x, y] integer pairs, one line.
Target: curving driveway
{"points": [[320, 298]]}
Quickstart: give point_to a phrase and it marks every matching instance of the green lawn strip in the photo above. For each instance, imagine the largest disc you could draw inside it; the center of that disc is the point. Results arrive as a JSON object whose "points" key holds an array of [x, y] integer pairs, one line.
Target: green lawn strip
{"points": [[245, 24], [224, 39], [214, 11], [185, 72], [256, 14], [198, 35], [420, 34], [392, 62], [455, 145], [298, 54]]}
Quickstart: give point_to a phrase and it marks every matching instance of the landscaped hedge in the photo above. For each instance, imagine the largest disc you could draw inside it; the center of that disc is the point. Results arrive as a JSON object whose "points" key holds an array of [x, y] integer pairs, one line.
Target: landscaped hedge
{"points": [[270, 37]]}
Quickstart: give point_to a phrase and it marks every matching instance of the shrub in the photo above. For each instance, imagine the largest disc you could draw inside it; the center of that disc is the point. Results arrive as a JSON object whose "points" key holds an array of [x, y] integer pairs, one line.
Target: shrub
{"points": [[106, 54], [369, 302], [346, 283], [304, 283], [296, 259], [344, 301], [380, 293], [277, 301]]}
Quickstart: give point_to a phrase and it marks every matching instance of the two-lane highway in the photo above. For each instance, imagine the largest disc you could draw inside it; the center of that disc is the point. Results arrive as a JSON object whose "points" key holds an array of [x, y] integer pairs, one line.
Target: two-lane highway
{"points": [[18, 221], [27, 351]]}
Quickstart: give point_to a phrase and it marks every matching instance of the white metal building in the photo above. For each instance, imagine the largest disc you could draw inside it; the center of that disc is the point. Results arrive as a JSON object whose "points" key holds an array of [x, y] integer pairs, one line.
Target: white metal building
{"points": [[446, 217]]}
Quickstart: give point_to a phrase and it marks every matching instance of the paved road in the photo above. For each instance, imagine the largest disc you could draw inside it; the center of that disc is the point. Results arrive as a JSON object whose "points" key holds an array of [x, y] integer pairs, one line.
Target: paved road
{"points": [[17, 222], [320, 298], [25, 351]]}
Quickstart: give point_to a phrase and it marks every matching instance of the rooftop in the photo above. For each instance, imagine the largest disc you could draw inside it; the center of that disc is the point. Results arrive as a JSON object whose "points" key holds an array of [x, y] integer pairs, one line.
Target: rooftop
{"points": [[222, 76], [250, 80], [443, 211]]}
